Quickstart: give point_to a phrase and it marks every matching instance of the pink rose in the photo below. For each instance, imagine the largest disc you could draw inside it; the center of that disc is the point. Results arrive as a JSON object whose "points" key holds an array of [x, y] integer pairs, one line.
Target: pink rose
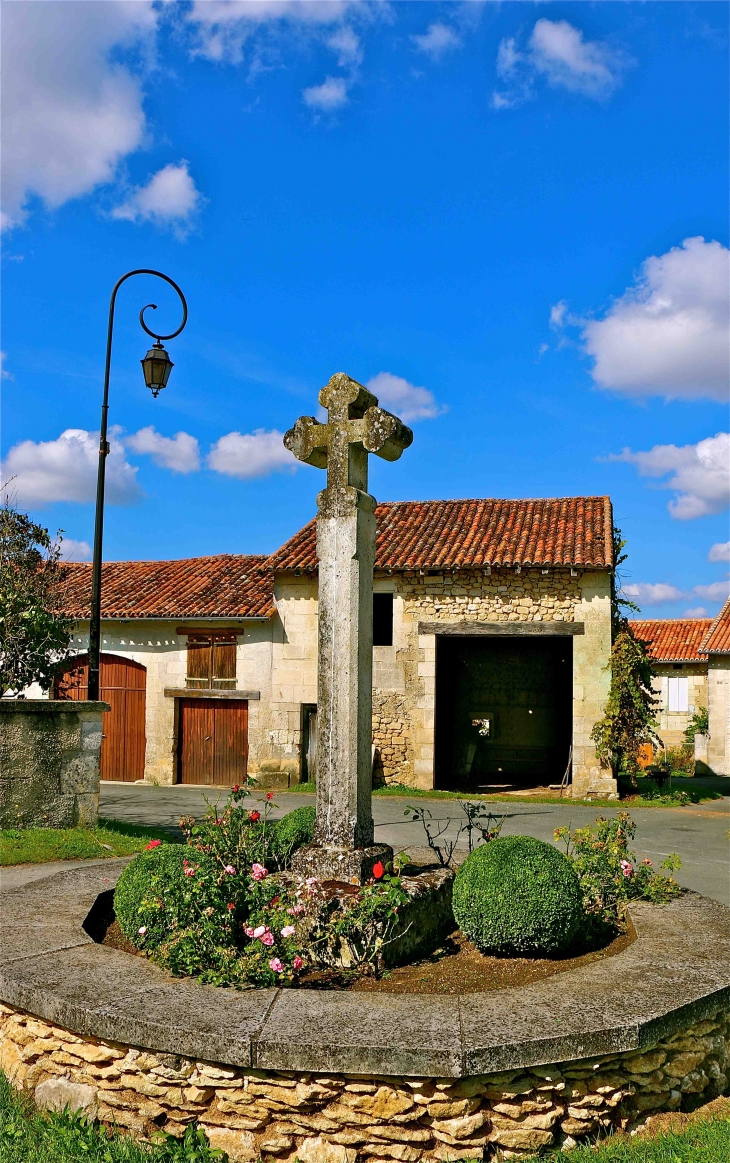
{"points": [[626, 867], [249, 931], [152, 844], [259, 932], [230, 870], [297, 964], [190, 872], [276, 965], [267, 939], [295, 910], [288, 931], [258, 872], [142, 931]]}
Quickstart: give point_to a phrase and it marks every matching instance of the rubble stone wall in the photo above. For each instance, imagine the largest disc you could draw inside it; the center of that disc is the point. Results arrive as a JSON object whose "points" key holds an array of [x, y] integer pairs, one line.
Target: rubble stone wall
{"points": [[346, 1118]]}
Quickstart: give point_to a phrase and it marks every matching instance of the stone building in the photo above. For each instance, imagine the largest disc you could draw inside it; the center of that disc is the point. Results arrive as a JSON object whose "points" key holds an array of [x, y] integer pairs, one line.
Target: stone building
{"points": [[673, 645], [492, 634], [691, 657]]}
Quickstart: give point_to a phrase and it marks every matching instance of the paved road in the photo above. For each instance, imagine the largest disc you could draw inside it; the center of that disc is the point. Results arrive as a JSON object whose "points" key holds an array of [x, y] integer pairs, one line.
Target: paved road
{"points": [[698, 833]]}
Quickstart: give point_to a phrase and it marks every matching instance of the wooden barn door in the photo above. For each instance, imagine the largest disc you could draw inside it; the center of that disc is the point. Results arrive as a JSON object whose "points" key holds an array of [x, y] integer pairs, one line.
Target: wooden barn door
{"points": [[213, 741], [122, 685]]}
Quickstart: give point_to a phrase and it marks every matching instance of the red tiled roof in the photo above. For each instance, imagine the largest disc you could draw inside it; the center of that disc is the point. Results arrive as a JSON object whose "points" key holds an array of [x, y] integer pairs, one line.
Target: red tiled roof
{"points": [[450, 534], [717, 640], [226, 586], [673, 639]]}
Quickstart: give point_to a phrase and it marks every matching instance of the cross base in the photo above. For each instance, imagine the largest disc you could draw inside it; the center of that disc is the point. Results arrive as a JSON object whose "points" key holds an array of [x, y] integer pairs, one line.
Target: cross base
{"points": [[351, 865]]}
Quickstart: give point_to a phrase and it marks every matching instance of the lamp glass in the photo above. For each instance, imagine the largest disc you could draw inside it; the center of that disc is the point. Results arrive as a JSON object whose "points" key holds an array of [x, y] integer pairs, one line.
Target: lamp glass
{"points": [[156, 366]]}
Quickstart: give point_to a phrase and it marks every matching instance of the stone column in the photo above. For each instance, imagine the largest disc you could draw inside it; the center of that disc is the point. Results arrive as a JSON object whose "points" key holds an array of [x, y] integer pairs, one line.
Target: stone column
{"points": [[343, 847]]}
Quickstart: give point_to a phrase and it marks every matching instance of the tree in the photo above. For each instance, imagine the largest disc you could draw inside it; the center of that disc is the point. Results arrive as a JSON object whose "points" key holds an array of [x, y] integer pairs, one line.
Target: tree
{"points": [[34, 631], [630, 716]]}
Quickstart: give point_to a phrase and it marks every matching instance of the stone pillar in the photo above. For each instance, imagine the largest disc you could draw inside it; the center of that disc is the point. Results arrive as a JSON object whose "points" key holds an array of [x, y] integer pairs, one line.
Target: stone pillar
{"points": [[49, 758], [343, 846]]}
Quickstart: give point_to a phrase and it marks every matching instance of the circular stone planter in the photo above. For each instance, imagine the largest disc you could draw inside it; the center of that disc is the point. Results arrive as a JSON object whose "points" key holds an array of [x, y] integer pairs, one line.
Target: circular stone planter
{"points": [[423, 1078]]}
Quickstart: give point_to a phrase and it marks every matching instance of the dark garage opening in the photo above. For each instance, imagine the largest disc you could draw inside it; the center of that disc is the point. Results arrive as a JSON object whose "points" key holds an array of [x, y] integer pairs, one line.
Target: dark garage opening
{"points": [[503, 711]]}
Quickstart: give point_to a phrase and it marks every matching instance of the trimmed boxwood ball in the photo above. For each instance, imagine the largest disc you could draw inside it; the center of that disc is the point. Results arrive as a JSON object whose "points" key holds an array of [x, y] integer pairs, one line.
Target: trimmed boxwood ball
{"points": [[155, 876], [518, 896], [292, 831]]}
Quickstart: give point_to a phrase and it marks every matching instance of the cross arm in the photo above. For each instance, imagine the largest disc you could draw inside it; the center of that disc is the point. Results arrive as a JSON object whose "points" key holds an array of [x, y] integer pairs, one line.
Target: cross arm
{"points": [[308, 441], [385, 434]]}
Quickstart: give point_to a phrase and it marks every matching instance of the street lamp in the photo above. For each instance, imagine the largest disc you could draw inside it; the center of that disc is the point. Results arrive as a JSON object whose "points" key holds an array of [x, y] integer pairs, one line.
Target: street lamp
{"points": [[156, 367]]}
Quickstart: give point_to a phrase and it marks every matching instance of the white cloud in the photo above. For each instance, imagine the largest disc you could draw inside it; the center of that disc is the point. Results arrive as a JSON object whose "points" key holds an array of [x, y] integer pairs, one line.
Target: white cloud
{"points": [[251, 454], [4, 373], [179, 453], [715, 592], [223, 26], [437, 40], [406, 400], [557, 51], [719, 552], [75, 550], [698, 472], [668, 334], [557, 314], [652, 593], [331, 94], [170, 198], [695, 612], [65, 470], [70, 114], [346, 43]]}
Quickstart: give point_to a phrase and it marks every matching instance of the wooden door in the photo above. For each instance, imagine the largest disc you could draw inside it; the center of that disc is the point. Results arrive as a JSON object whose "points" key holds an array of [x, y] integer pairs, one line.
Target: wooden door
{"points": [[122, 683], [213, 736]]}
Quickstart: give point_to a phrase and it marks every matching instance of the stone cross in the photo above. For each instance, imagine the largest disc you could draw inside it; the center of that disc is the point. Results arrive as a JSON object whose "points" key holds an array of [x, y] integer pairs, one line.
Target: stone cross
{"points": [[343, 847]]}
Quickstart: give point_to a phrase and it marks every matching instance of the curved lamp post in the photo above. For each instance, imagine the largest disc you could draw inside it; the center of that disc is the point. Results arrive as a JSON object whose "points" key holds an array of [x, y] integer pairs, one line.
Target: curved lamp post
{"points": [[156, 366]]}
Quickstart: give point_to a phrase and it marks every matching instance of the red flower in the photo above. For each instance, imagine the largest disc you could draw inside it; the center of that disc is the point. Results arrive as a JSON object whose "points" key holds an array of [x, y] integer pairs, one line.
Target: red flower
{"points": [[378, 870], [269, 796], [152, 844], [230, 907], [254, 817], [236, 787]]}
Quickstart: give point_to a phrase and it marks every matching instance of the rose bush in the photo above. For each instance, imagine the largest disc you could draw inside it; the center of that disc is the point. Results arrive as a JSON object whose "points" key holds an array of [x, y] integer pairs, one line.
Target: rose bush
{"points": [[609, 872]]}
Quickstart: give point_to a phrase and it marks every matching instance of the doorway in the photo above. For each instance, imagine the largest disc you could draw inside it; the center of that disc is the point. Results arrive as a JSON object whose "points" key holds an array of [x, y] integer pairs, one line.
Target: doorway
{"points": [[503, 711], [122, 683], [213, 741]]}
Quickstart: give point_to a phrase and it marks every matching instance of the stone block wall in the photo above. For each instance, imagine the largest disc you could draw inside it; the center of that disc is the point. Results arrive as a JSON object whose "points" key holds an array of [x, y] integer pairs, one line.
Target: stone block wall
{"points": [[671, 725], [718, 682], [49, 759], [356, 1118]]}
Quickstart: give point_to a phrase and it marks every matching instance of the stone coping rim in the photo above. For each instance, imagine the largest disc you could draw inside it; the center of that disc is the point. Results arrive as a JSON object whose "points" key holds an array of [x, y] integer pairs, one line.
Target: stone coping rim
{"points": [[676, 972], [52, 706]]}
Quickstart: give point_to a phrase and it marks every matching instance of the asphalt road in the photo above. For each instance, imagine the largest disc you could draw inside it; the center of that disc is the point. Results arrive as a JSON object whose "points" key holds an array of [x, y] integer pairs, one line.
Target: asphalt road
{"points": [[699, 834]]}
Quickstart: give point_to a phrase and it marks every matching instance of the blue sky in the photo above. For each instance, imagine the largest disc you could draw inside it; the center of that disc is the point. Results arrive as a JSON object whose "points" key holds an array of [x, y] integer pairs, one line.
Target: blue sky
{"points": [[512, 217]]}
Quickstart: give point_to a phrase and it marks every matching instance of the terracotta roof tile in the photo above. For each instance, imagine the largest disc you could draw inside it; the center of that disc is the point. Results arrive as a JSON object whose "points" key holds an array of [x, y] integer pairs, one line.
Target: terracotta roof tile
{"points": [[673, 639], [448, 534], [226, 586], [717, 640]]}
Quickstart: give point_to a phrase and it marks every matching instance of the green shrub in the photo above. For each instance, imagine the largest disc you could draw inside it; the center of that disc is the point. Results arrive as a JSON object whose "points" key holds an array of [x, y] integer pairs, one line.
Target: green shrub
{"points": [[154, 892], [517, 896], [292, 831]]}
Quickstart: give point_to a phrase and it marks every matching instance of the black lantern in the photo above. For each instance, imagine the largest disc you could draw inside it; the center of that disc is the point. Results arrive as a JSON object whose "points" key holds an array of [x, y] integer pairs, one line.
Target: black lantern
{"points": [[156, 366]]}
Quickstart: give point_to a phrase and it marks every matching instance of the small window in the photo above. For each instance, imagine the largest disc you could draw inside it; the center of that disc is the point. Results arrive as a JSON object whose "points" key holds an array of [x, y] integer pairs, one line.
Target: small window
{"points": [[382, 619], [212, 662], [678, 694]]}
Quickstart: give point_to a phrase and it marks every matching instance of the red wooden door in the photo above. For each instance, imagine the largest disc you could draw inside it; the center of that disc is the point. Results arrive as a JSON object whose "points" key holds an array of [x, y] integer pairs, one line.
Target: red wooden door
{"points": [[122, 684], [213, 745]]}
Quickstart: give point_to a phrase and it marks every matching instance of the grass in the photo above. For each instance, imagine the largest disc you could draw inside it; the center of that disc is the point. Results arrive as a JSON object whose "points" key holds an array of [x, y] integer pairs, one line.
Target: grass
{"points": [[111, 838], [28, 1135], [706, 1141], [697, 794]]}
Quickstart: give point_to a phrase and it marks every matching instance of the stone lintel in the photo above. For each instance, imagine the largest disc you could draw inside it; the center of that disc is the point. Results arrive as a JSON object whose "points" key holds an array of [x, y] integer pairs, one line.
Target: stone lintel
{"points": [[199, 693], [50, 706], [503, 629]]}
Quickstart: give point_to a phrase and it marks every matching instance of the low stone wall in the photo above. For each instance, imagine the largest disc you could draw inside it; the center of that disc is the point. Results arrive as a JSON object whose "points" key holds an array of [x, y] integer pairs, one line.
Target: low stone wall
{"points": [[343, 1118], [49, 758]]}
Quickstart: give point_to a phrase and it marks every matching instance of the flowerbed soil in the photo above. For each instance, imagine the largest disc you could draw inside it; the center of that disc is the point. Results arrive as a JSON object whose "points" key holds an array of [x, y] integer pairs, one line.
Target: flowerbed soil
{"points": [[457, 968]]}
